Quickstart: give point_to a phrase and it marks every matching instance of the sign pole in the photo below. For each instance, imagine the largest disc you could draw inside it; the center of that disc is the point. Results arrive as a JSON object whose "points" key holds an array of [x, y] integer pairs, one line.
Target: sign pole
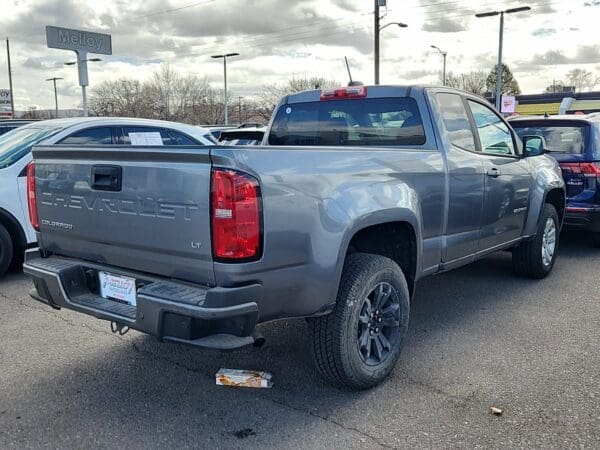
{"points": [[83, 78], [55, 97], [10, 86], [84, 96]]}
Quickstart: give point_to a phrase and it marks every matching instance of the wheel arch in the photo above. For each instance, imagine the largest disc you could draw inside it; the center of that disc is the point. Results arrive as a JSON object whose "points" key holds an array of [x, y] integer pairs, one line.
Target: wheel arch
{"points": [[395, 239], [557, 198], [554, 195], [15, 230]]}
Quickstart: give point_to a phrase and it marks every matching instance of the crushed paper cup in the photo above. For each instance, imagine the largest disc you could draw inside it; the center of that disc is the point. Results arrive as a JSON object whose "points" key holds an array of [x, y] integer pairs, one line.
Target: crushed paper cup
{"points": [[244, 378]]}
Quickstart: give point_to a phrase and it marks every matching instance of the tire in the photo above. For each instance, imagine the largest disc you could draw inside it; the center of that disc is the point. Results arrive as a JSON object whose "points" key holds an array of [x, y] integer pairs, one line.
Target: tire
{"points": [[345, 351], [529, 258], [6, 250]]}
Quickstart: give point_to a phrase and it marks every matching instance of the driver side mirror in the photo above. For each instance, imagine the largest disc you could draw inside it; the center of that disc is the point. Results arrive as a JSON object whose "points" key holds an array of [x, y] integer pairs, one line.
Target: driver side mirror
{"points": [[534, 146]]}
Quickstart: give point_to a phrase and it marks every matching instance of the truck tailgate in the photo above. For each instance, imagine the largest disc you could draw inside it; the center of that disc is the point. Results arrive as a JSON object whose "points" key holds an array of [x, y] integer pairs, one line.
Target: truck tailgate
{"points": [[141, 208]]}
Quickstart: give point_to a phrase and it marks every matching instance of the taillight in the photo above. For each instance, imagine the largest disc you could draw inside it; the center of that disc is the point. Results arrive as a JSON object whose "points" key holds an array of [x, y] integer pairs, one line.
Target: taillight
{"points": [[235, 214], [31, 200], [589, 169], [344, 92]]}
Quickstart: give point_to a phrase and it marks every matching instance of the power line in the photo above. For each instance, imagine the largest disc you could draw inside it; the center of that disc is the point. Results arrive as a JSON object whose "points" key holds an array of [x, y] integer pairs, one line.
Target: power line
{"points": [[259, 40], [166, 11]]}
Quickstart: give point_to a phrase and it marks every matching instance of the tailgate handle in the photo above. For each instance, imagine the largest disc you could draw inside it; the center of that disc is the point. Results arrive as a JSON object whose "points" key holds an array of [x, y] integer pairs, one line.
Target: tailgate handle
{"points": [[106, 178]]}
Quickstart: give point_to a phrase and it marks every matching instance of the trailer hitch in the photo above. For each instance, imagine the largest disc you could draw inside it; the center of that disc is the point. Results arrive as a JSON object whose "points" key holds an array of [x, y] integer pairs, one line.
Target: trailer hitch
{"points": [[118, 327]]}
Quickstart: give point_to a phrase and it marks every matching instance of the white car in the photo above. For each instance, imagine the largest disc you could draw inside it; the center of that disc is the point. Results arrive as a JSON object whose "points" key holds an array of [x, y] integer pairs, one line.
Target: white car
{"points": [[16, 234]]}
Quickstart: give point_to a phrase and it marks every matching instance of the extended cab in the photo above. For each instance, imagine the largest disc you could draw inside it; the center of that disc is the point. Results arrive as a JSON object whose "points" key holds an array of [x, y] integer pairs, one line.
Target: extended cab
{"points": [[359, 193]]}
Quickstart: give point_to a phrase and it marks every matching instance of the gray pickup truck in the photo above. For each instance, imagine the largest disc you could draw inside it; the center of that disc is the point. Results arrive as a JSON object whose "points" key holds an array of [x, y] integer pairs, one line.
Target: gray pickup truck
{"points": [[357, 194]]}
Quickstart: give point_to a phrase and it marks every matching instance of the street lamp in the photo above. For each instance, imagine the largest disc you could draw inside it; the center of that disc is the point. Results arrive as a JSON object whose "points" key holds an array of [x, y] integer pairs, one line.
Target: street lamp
{"points": [[499, 66], [444, 54], [225, 56], [82, 66], [53, 79], [378, 30]]}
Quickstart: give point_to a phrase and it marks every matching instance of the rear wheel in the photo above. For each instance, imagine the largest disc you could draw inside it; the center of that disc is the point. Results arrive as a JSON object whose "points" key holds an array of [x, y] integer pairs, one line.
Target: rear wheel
{"points": [[535, 258], [358, 344], [6, 250]]}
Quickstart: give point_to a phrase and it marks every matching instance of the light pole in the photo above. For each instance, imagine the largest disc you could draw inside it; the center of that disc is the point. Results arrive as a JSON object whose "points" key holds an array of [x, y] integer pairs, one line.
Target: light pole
{"points": [[82, 67], [378, 30], [225, 56], [499, 66], [444, 54], [53, 79], [10, 86]]}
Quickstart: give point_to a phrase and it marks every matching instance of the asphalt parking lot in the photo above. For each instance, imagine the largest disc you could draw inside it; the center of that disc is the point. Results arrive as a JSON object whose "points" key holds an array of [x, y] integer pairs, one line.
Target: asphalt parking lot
{"points": [[479, 337]]}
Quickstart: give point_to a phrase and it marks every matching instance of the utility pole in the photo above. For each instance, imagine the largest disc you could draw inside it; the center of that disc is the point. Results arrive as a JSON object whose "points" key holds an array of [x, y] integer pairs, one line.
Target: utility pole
{"points": [[10, 86], [225, 99], [53, 79], [499, 67], [376, 32], [240, 108], [444, 54]]}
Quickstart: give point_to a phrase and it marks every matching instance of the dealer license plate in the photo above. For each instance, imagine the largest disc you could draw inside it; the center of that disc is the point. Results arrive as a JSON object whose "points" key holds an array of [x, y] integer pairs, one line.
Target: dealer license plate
{"points": [[117, 288]]}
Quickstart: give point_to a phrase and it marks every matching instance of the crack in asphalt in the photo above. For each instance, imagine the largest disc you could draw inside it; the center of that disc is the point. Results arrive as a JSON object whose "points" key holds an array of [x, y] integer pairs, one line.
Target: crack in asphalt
{"points": [[54, 313], [156, 357], [274, 401]]}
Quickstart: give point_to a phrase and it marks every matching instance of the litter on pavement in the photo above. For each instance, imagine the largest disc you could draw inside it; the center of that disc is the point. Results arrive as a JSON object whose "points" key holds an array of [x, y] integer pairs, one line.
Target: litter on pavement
{"points": [[244, 378]]}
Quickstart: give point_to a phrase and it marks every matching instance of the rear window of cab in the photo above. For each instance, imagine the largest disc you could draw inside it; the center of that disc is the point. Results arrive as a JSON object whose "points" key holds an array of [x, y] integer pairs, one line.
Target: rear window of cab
{"points": [[349, 122]]}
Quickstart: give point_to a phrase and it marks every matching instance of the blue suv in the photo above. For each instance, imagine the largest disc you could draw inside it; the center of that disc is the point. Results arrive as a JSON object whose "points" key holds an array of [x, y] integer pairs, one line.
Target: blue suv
{"points": [[574, 141]]}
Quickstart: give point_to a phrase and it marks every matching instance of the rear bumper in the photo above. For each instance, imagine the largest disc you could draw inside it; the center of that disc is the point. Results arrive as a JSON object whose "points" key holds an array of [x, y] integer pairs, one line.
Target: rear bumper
{"points": [[587, 218], [217, 318]]}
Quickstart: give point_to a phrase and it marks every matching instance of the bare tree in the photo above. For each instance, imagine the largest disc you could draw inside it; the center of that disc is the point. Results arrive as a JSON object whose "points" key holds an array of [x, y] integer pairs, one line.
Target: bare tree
{"points": [[582, 80], [167, 95], [124, 97], [473, 82], [271, 94], [173, 95]]}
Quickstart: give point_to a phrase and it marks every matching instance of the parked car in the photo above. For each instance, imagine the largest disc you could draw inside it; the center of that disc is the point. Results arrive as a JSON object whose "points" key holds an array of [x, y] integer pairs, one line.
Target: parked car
{"points": [[243, 136], [11, 124], [216, 130], [361, 192], [15, 153], [574, 141]]}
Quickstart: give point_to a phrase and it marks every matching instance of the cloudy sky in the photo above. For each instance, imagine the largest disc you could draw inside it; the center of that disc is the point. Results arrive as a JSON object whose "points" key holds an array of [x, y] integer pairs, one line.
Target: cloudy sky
{"points": [[278, 39]]}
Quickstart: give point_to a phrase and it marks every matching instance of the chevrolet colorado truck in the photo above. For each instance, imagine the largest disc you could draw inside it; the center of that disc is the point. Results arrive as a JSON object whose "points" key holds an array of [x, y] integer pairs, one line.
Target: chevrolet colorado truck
{"points": [[357, 194]]}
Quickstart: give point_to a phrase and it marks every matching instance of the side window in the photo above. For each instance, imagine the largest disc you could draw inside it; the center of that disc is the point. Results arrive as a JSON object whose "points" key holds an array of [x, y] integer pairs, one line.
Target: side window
{"points": [[494, 135], [181, 139], [146, 136], [456, 121], [91, 136]]}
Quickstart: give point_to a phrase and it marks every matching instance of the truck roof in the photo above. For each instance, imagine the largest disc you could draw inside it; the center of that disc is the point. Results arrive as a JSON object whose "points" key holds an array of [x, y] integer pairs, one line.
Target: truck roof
{"points": [[70, 121], [373, 91], [592, 117]]}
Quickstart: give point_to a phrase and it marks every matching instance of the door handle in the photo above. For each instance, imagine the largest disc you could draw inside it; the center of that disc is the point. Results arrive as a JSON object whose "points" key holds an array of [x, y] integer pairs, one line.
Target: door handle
{"points": [[106, 178], [493, 172]]}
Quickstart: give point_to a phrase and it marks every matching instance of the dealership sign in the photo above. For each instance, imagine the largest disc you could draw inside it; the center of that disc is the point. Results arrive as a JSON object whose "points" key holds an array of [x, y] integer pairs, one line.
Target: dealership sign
{"points": [[82, 43], [5, 99], [78, 41], [509, 104]]}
